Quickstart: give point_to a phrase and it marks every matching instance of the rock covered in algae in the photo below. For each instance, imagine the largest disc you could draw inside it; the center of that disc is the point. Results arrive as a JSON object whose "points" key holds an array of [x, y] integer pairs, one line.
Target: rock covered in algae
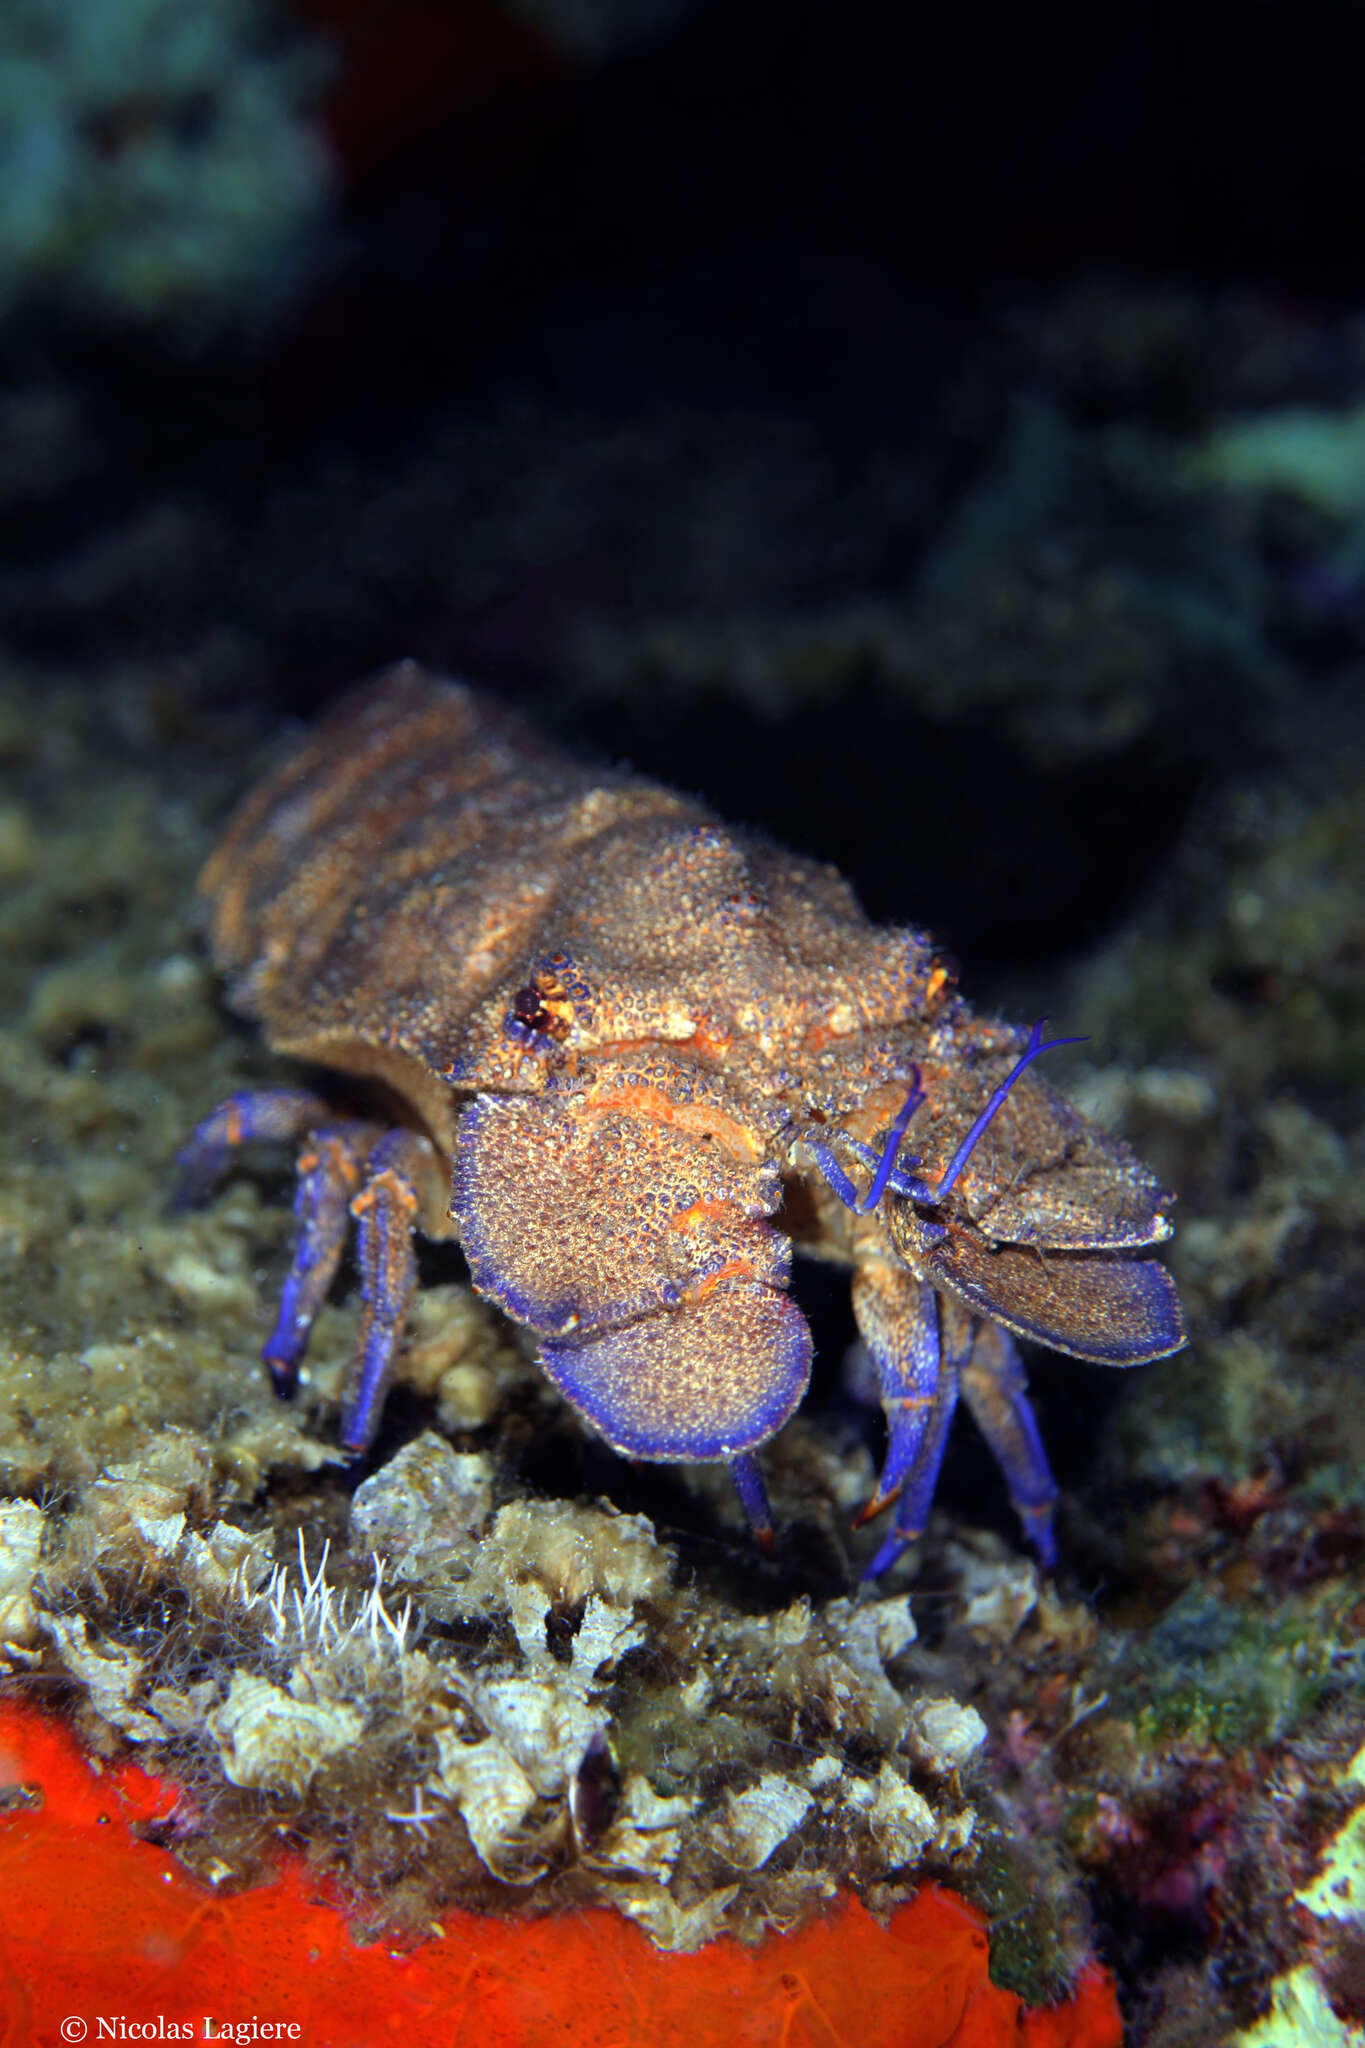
{"points": [[481, 1701], [1305, 1999], [610, 1697]]}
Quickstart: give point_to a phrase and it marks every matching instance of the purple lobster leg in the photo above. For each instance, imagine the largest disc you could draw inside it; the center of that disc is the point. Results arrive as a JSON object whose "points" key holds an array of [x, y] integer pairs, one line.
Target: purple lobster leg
{"points": [[257, 1113], [330, 1168], [386, 1211], [752, 1492], [917, 1493], [994, 1388], [899, 1321]]}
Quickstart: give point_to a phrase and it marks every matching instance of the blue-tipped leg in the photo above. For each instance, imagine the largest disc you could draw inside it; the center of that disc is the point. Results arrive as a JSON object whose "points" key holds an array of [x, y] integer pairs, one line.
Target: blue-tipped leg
{"points": [[752, 1492], [995, 1391], [898, 1317], [257, 1113], [349, 1168], [329, 1170], [386, 1211], [917, 1492]]}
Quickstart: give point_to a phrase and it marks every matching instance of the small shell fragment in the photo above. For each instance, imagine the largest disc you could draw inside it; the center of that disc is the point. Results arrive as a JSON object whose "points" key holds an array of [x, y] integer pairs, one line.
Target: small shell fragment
{"points": [[547, 1728], [757, 1821], [426, 1508], [110, 1674], [490, 1790], [269, 1740], [21, 1542], [901, 1820], [944, 1735]]}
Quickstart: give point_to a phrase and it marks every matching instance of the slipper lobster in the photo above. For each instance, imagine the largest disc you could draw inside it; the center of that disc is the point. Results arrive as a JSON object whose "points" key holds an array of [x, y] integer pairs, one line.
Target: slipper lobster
{"points": [[630, 1056]]}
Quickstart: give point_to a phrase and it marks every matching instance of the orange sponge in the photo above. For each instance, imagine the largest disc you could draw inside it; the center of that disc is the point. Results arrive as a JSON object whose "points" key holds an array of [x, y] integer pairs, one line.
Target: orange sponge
{"points": [[99, 1928]]}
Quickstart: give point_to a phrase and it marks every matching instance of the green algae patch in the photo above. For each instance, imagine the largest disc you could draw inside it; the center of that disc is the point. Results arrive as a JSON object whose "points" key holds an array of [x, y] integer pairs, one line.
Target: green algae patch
{"points": [[1037, 1938], [1219, 1676]]}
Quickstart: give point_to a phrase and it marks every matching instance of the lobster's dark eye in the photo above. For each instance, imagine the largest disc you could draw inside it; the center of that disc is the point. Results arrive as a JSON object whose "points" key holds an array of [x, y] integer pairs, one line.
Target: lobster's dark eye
{"points": [[528, 1008], [542, 1011]]}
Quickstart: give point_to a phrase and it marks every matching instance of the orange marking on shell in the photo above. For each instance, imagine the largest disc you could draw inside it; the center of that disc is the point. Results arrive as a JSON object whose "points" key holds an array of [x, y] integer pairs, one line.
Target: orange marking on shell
{"points": [[697, 1213], [733, 1269], [697, 1119], [708, 1044]]}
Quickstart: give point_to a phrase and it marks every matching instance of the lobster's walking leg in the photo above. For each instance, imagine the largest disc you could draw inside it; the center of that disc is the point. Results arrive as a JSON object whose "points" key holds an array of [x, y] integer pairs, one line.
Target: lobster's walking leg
{"points": [[330, 1169], [912, 1509], [898, 1317], [898, 1321], [386, 1210], [254, 1114], [752, 1492], [995, 1390]]}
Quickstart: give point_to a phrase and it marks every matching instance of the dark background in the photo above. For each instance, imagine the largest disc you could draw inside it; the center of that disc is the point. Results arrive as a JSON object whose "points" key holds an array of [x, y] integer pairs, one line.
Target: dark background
{"points": [[850, 233]]}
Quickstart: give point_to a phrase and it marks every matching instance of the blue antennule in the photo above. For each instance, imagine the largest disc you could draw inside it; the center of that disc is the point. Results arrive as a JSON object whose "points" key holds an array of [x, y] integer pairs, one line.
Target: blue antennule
{"points": [[886, 1164], [1037, 1045], [889, 1173]]}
